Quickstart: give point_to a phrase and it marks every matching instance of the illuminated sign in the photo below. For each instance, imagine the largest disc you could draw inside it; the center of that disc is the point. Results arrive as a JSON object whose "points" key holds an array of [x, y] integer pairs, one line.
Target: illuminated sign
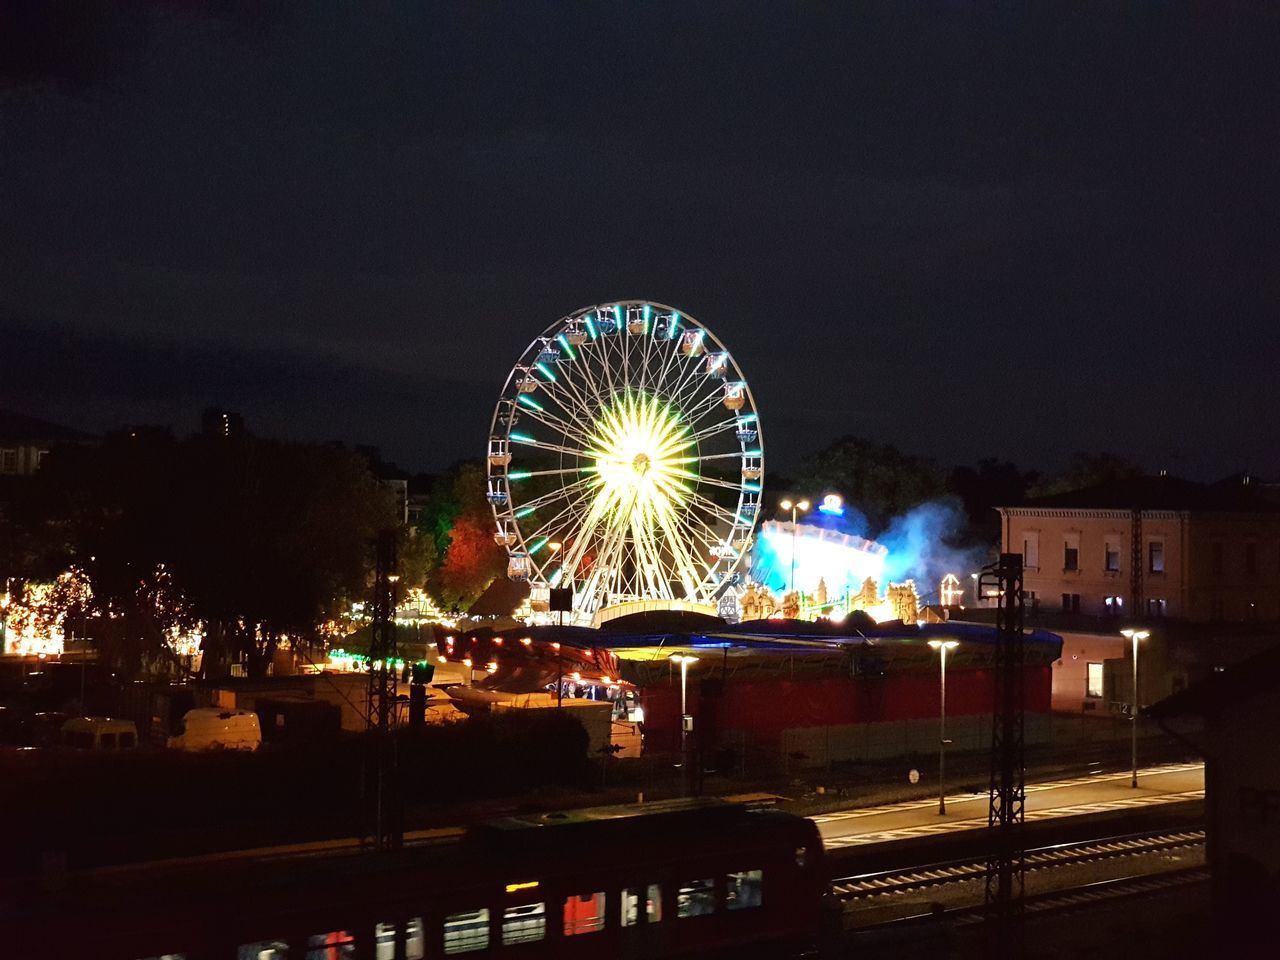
{"points": [[527, 885], [832, 505]]}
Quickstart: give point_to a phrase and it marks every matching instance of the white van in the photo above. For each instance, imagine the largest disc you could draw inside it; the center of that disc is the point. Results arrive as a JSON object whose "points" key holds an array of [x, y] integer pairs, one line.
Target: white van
{"points": [[211, 728], [100, 733]]}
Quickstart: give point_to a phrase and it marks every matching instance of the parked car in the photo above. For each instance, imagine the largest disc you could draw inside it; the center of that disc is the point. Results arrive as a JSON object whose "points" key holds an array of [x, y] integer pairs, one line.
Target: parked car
{"points": [[210, 728], [100, 733]]}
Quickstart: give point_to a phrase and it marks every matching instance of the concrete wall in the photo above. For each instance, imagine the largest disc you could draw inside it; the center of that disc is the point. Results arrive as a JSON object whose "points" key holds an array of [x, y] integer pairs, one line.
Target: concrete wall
{"points": [[1070, 674]]}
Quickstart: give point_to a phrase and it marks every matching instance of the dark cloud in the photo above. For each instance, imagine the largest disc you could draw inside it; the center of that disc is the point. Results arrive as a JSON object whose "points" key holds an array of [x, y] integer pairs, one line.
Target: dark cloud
{"points": [[909, 223]]}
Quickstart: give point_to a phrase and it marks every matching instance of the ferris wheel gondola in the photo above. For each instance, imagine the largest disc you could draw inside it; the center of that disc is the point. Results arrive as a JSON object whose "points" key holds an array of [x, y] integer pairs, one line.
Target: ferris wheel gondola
{"points": [[625, 459]]}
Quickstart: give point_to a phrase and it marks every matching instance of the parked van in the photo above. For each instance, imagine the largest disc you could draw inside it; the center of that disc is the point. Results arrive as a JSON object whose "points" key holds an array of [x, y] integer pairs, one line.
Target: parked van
{"points": [[99, 733], [211, 728]]}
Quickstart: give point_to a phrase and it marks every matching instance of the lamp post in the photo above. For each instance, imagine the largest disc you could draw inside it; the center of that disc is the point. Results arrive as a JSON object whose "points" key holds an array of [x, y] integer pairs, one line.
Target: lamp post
{"points": [[1134, 636], [794, 506], [942, 646], [684, 660]]}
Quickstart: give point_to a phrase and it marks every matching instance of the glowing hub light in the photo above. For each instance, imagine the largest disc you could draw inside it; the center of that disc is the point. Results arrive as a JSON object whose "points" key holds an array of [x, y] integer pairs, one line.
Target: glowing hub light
{"points": [[639, 448]]}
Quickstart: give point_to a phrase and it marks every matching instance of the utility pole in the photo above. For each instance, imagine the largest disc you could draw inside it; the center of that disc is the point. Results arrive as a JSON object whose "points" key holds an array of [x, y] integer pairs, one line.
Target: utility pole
{"points": [[1006, 861], [382, 791]]}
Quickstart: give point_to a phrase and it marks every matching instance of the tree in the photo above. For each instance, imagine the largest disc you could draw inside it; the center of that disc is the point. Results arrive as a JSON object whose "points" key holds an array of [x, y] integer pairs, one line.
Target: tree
{"points": [[876, 478], [257, 539], [992, 483], [1087, 470]]}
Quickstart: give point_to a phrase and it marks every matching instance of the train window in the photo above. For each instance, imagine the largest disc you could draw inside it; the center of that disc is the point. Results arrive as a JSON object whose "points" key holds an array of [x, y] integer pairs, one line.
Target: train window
{"points": [[630, 906], [384, 935], [466, 931], [584, 914], [696, 898], [653, 903], [338, 945], [524, 924], [744, 890], [265, 950]]}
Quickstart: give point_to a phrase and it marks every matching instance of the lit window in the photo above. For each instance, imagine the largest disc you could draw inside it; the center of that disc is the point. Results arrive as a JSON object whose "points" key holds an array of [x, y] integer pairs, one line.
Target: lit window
{"points": [[630, 904], [696, 898], [1071, 552], [744, 890], [653, 903], [526, 923], [168, 956], [1112, 557], [385, 940], [467, 931], [1156, 607], [584, 914], [264, 950], [1155, 556], [338, 945], [1031, 550], [1115, 605], [1093, 680]]}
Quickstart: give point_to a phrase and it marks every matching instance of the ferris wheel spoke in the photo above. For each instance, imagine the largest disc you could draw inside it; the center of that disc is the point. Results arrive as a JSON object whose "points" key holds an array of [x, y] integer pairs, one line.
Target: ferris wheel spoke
{"points": [[543, 445], [712, 509], [565, 397], [571, 512], [711, 431], [548, 419], [566, 491]]}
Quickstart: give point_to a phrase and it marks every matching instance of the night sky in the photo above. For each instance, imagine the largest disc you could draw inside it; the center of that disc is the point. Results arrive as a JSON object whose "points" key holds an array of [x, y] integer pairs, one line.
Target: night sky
{"points": [[964, 232]]}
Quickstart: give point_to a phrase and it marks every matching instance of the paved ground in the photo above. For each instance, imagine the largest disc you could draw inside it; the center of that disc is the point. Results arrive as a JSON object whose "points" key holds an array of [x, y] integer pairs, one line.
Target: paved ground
{"points": [[1056, 798]]}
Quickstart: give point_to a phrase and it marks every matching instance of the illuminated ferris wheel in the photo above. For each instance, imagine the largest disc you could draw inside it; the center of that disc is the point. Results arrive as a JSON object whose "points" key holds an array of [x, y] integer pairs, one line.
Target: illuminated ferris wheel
{"points": [[625, 460]]}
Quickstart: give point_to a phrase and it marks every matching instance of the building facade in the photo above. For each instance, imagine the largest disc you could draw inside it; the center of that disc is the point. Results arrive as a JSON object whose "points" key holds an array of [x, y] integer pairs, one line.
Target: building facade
{"points": [[1151, 548]]}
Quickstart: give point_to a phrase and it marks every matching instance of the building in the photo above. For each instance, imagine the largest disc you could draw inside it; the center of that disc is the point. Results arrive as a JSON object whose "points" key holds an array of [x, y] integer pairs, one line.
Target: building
{"points": [[799, 692], [1232, 718], [1148, 548], [26, 441], [216, 422]]}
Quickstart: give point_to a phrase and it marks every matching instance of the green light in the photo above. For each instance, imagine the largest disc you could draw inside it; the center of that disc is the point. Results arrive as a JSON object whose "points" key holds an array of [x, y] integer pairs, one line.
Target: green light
{"points": [[542, 367], [537, 545], [524, 512], [568, 348], [528, 401], [753, 487], [745, 453], [522, 438], [555, 577], [591, 327], [675, 324], [522, 475]]}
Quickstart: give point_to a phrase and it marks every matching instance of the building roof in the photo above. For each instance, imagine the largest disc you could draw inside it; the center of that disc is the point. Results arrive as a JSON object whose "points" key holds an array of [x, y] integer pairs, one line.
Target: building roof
{"points": [[1259, 675], [19, 429], [1239, 495]]}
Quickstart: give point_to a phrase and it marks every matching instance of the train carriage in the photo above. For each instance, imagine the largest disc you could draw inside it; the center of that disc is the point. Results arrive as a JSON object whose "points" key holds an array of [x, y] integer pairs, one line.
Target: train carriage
{"points": [[678, 878]]}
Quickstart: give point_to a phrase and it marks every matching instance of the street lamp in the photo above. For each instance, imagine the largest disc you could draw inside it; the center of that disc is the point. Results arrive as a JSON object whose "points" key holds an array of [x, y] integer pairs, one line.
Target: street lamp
{"points": [[800, 506], [1134, 635], [685, 720], [977, 600], [942, 646]]}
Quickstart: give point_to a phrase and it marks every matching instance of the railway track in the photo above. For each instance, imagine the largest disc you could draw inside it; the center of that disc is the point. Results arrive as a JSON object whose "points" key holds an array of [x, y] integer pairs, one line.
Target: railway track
{"points": [[888, 882]]}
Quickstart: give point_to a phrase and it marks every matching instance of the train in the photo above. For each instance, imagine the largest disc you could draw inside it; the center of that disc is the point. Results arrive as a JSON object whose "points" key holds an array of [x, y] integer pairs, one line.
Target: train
{"points": [[691, 877]]}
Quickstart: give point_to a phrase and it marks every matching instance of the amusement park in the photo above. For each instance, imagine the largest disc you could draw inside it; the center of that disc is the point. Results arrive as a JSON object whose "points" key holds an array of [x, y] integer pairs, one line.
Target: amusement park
{"points": [[654, 583]]}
